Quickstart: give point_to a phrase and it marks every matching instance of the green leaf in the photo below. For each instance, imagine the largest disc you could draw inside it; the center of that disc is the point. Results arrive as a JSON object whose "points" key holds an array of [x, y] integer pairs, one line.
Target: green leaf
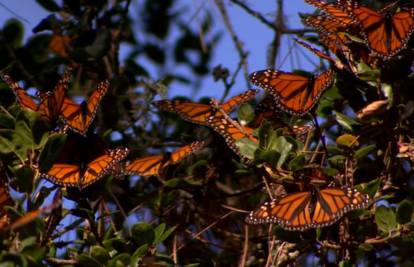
{"points": [[346, 122], [372, 187], [385, 219], [347, 140], [245, 113], [138, 254], [115, 243], [143, 233], [362, 152], [297, 163], [100, 46], [6, 146], [159, 230], [88, 261], [404, 211], [247, 147], [6, 121], [51, 150], [25, 178], [100, 254], [366, 247], [166, 234], [13, 32], [122, 259]]}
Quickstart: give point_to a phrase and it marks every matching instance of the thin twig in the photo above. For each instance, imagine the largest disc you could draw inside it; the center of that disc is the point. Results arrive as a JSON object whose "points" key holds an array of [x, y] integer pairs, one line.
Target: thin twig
{"points": [[239, 45], [266, 22], [278, 28], [245, 246]]}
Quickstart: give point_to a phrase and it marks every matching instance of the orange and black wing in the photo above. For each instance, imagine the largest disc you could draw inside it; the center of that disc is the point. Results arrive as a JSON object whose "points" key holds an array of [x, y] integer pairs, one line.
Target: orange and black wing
{"points": [[102, 166], [232, 132], [51, 103], [184, 151], [386, 34], [338, 13], [190, 111], [292, 212], [238, 100], [293, 93], [145, 166], [66, 174], [332, 203], [24, 99], [79, 117]]}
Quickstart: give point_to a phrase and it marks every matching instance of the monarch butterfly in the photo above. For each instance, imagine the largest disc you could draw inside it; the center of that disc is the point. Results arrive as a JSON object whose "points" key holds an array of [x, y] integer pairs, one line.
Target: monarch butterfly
{"points": [[79, 117], [153, 165], [310, 209], [232, 133], [83, 161], [386, 33], [199, 113], [336, 12], [293, 93], [51, 103]]}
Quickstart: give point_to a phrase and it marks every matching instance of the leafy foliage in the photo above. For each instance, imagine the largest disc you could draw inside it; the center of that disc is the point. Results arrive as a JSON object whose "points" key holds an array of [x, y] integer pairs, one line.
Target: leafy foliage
{"points": [[193, 213]]}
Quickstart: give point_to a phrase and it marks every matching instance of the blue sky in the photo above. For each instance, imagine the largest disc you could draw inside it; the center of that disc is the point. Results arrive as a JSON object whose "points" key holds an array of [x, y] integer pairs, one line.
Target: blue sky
{"points": [[255, 36]]}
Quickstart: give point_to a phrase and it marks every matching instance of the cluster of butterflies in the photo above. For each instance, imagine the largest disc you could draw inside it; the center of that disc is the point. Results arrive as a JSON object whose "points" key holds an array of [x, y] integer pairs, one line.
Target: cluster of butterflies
{"points": [[385, 34]]}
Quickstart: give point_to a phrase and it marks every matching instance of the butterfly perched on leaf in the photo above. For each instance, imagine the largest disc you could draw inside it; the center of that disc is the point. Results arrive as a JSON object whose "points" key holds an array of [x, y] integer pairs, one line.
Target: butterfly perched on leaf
{"points": [[79, 117], [154, 165], [199, 113], [386, 33], [232, 132], [309, 209], [83, 161], [50, 103], [293, 93]]}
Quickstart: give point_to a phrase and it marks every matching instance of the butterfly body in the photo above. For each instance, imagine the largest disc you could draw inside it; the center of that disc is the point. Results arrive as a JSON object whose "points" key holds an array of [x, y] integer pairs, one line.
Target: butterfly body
{"points": [[386, 33], [79, 117], [310, 209]]}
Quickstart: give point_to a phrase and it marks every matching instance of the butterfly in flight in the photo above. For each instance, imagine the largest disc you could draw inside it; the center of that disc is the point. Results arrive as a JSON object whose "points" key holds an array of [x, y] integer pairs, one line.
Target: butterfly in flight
{"points": [[199, 113], [386, 33], [309, 209], [83, 161], [293, 93], [50, 104], [79, 117], [154, 165]]}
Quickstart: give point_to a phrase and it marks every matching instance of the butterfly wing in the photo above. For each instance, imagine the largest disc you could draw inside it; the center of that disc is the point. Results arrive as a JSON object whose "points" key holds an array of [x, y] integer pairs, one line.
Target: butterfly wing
{"points": [[145, 166], [24, 100], [51, 104], [231, 133], [332, 203], [293, 93], [291, 212], [184, 151], [102, 165], [64, 174], [315, 51], [238, 100], [80, 117], [336, 12], [189, 111], [386, 35]]}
